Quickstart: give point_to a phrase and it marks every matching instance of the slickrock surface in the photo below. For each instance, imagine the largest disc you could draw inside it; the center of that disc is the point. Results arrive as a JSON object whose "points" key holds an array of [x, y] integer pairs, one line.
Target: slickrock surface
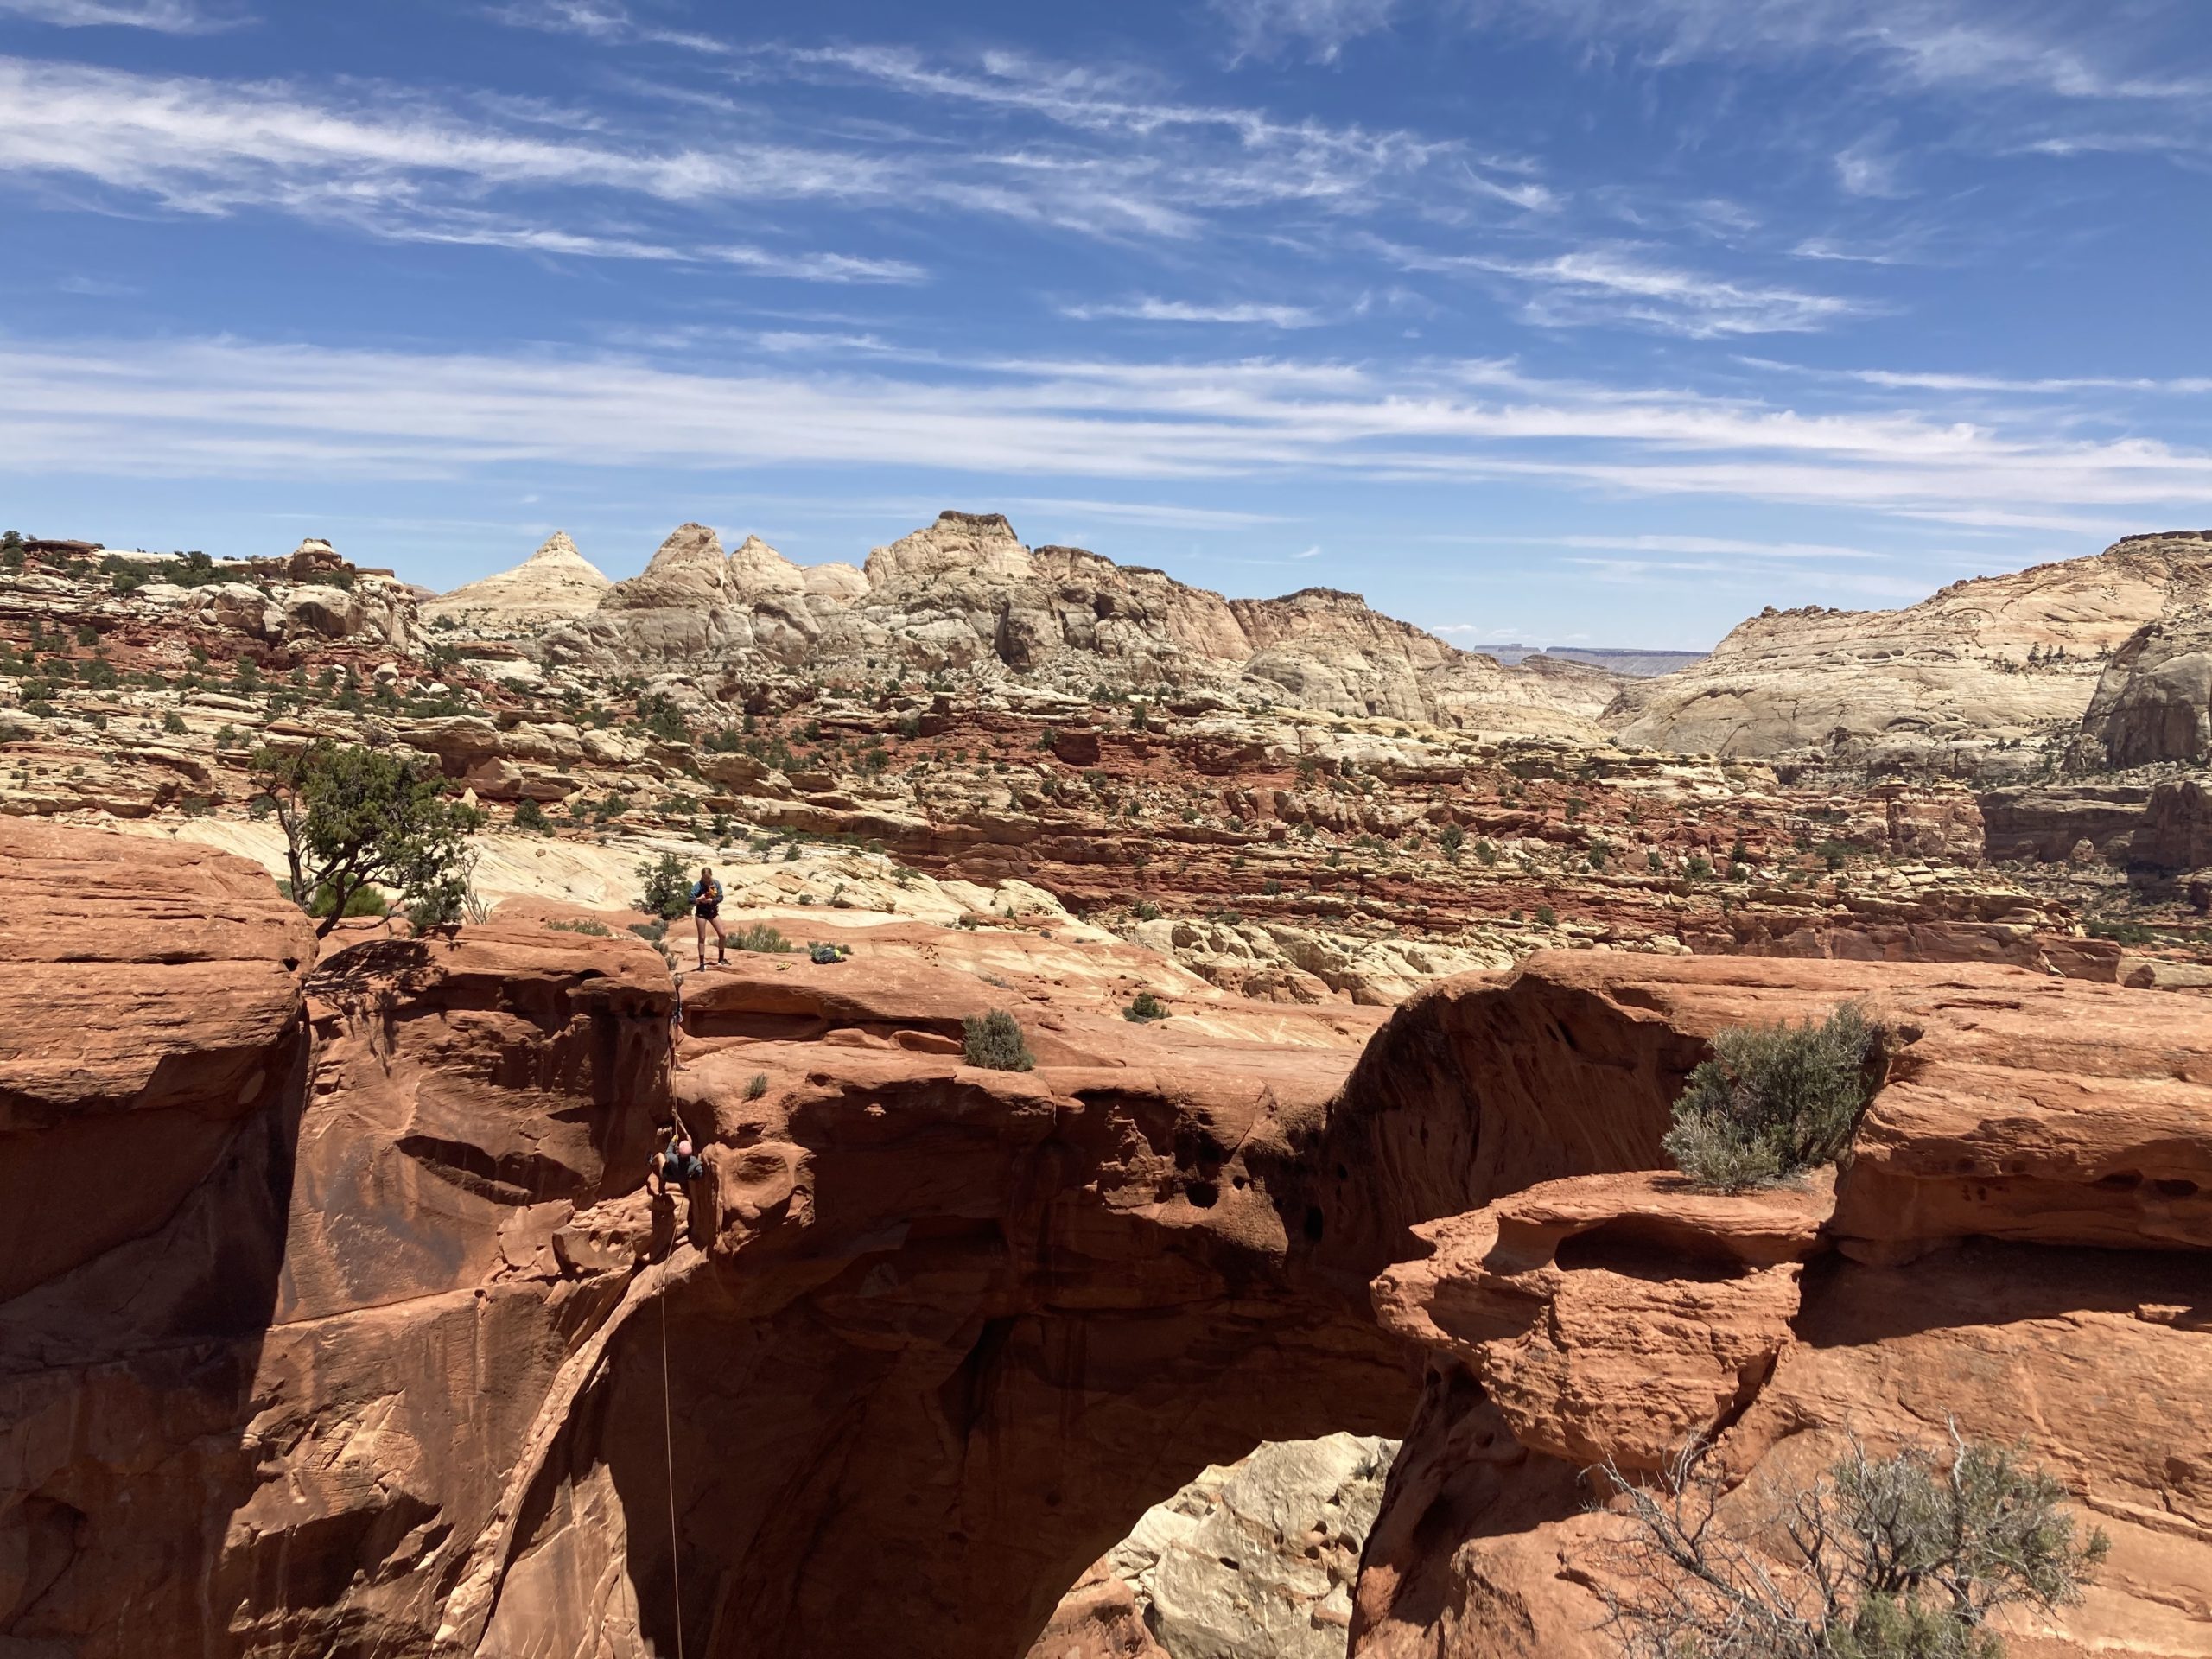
{"points": [[149, 1016], [1602, 1317], [554, 582], [1969, 680]]}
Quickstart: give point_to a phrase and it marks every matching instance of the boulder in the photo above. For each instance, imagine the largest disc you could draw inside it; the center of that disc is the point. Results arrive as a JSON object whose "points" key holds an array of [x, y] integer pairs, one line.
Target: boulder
{"points": [[1257, 1556], [2046, 823], [149, 1015]]}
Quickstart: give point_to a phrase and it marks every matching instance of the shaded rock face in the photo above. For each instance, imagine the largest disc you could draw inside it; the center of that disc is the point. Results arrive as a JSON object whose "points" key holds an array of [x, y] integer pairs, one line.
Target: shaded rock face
{"points": [[2176, 830], [1968, 681], [2047, 823], [965, 592], [267, 1407], [2154, 701], [1607, 1316], [1255, 1557], [931, 1310]]}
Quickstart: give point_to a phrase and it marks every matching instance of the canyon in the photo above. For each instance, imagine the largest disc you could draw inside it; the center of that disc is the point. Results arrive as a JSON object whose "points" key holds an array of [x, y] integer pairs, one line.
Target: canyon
{"points": [[338, 1317]]}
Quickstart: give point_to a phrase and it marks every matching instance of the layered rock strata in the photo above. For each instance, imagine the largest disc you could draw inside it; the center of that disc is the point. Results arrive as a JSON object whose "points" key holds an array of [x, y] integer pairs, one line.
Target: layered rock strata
{"points": [[1977, 680], [965, 594]]}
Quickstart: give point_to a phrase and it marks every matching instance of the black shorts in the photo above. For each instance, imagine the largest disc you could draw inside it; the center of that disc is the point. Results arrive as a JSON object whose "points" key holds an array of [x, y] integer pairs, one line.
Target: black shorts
{"points": [[706, 911]]}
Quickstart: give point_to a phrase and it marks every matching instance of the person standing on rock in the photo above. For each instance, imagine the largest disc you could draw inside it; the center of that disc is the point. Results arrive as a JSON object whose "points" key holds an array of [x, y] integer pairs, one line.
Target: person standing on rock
{"points": [[706, 910]]}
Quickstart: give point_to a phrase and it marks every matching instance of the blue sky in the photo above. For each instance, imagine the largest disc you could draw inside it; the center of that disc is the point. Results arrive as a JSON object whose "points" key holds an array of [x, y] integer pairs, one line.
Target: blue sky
{"points": [[1553, 321]]}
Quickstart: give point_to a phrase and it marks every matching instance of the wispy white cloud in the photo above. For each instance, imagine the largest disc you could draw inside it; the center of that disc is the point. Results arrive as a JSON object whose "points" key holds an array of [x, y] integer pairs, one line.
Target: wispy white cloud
{"points": [[600, 20], [207, 147], [1924, 380], [164, 16], [1931, 43], [1324, 27], [1637, 571], [1736, 547], [1190, 155], [225, 408], [1160, 515], [1869, 168], [1617, 285], [392, 162], [1153, 310], [1310, 553]]}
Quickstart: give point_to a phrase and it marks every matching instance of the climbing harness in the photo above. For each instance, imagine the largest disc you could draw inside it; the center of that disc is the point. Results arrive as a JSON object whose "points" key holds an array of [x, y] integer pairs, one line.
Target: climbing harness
{"points": [[668, 1445]]}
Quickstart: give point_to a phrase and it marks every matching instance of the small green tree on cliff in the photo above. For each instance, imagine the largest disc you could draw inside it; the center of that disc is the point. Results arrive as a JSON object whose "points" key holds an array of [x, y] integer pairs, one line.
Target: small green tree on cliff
{"points": [[355, 816]]}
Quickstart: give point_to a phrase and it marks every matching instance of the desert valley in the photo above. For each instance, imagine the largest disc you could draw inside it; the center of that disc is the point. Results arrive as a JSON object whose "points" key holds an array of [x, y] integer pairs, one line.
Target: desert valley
{"points": [[1296, 1283]]}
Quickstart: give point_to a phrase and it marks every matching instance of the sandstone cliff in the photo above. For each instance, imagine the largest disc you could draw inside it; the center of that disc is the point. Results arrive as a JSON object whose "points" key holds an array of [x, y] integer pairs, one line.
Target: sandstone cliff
{"points": [[368, 1356], [1974, 679], [965, 596], [2153, 703]]}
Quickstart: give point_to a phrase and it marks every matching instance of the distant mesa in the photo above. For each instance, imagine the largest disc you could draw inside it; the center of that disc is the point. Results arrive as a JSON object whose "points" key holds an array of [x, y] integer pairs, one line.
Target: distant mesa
{"points": [[1624, 660]]}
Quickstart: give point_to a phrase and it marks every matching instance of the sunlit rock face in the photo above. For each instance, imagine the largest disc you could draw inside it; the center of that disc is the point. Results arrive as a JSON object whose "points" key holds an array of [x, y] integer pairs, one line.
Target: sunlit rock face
{"points": [[1979, 679], [374, 1344]]}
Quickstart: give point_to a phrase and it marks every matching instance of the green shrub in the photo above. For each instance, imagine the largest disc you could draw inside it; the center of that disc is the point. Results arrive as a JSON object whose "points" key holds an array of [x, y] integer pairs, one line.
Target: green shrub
{"points": [[994, 1041], [1547, 917], [173, 723], [1913, 1555], [667, 886], [759, 935], [1144, 1006], [362, 901], [597, 930], [1774, 1101], [650, 932], [529, 815], [1146, 910], [1451, 838], [758, 1087]]}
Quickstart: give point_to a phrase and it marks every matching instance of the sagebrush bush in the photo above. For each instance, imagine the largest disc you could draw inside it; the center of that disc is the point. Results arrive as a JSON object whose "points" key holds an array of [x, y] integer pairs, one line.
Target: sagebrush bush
{"points": [[759, 935], [995, 1042], [1774, 1101], [1144, 1006], [1908, 1556]]}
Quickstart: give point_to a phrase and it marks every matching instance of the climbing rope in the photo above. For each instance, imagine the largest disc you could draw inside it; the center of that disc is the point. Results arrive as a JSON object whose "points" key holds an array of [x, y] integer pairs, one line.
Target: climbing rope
{"points": [[668, 1445]]}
